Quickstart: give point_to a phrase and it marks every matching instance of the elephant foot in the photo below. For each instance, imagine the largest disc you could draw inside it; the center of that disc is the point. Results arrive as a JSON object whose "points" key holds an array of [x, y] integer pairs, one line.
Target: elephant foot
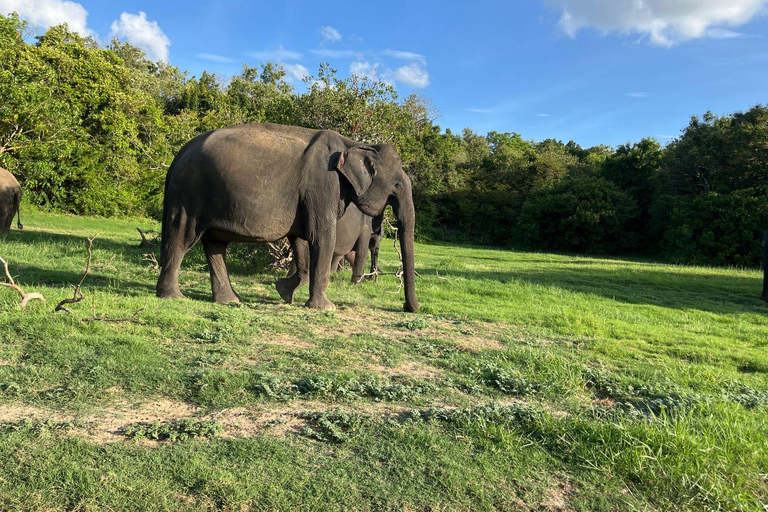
{"points": [[357, 279], [286, 289], [226, 298], [411, 307], [173, 294], [320, 303]]}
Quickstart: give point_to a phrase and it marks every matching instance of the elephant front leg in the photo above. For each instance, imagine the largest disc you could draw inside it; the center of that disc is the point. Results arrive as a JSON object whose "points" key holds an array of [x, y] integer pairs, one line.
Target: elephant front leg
{"points": [[299, 275], [361, 255], [215, 252], [320, 256]]}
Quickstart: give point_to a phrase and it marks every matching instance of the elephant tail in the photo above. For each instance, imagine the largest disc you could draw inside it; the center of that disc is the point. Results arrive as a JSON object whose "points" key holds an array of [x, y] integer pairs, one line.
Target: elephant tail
{"points": [[165, 222], [17, 206]]}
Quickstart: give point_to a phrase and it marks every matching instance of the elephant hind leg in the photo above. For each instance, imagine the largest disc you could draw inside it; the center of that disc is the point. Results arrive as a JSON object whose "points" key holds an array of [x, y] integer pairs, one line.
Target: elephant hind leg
{"points": [[221, 286], [299, 276], [178, 240]]}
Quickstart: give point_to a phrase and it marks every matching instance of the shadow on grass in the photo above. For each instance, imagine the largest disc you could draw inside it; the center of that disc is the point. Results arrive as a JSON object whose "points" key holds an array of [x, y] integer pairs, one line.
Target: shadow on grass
{"points": [[658, 287]]}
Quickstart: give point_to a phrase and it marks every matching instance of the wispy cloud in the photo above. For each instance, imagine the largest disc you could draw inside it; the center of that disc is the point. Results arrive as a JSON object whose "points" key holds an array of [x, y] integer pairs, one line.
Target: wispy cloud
{"points": [[364, 69], [214, 58], [337, 54], [296, 71], [480, 110], [47, 13], [396, 54], [412, 75], [542, 115], [141, 32], [330, 34], [664, 22], [638, 94], [279, 55]]}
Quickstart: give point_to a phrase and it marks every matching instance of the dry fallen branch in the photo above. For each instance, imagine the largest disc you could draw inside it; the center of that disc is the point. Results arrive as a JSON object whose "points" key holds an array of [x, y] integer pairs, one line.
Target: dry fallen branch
{"points": [[96, 318], [25, 297], [150, 258], [145, 242], [77, 296], [443, 278]]}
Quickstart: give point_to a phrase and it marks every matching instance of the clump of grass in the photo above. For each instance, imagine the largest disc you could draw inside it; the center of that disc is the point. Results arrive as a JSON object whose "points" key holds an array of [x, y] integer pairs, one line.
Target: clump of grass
{"points": [[747, 396], [507, 382], [175, 430], [334, 426], [343, 387], [38, 427]]}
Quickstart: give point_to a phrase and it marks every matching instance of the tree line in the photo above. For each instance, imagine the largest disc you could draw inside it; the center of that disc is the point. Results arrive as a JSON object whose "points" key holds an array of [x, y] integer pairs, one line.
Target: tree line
{"points": [[92, 130]]}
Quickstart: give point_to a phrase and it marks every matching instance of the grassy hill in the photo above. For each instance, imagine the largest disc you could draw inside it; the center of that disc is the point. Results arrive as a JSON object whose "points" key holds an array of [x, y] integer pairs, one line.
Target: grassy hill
{"points": [[527, 382]]}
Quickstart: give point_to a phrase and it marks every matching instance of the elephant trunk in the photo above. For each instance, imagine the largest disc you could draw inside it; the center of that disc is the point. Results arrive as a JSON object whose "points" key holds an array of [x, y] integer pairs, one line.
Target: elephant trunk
{"points": [[406, 218]]}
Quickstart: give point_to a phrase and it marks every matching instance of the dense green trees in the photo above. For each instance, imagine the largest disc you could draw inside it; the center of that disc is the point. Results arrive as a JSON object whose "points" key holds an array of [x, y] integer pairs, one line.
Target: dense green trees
{"points": [[92, 130]]}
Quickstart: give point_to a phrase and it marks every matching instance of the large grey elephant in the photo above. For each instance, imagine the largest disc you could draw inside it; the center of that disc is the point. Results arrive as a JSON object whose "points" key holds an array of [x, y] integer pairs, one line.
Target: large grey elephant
{"points": [[356, 234], [764, 295], [10, 200], [261, 182]]}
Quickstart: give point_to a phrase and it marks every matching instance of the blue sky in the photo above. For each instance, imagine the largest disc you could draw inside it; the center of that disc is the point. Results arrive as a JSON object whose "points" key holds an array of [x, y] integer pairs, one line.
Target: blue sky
{"points": [[592, 71]]}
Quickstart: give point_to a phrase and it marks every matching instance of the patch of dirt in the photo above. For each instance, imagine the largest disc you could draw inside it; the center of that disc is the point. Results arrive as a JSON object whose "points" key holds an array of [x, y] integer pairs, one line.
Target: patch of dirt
{"points": [[407, 369], [556, 498], [103, 426], [608, 403], [289, 341], [477, 343]]}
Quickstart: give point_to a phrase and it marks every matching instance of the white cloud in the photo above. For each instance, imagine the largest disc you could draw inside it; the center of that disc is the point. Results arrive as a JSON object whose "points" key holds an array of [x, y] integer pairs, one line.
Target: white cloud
{"points": [[665, 22], [405, 55], [480, 110], [542, 115], [330, 34], [412, 74], [139, 31], [337, 54], [364, 69], [296, 71], [214, 58], [47, 13], [638, 94], [279, 55]]}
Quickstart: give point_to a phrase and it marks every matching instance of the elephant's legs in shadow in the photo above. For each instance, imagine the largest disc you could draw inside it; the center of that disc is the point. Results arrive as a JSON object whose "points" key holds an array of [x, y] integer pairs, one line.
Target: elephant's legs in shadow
{"points": [[215, 252], [298, 276]]}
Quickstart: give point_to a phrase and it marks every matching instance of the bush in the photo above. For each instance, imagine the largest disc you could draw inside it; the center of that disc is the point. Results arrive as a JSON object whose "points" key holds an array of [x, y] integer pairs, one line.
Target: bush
{"points": [[583, 214], [717, 229]]}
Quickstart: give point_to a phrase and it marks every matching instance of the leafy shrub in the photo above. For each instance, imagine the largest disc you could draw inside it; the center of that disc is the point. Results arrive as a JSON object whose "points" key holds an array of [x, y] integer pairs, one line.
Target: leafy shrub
{"points": [[583, 214], [176, 430], [335, 426], [717, 229]]}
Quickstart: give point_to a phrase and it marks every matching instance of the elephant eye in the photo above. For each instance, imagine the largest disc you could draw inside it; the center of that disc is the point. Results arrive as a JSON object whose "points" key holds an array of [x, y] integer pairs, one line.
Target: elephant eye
{"points": [[398, 185]]}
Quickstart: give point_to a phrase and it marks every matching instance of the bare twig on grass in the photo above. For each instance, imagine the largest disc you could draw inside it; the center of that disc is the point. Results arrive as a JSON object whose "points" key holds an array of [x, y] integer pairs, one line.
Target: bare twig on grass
{"points": [[25, 297], [77, 296], [150, 258], [443, 278], [145, 242], [96, 318]]}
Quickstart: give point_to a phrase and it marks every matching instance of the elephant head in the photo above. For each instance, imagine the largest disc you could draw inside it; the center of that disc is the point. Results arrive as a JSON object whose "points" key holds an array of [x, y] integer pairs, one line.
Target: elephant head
{"points": [[377, 179]]}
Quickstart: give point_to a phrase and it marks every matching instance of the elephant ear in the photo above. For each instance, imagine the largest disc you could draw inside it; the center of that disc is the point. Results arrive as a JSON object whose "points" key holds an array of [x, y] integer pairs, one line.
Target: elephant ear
{"points": [[356, 164]]}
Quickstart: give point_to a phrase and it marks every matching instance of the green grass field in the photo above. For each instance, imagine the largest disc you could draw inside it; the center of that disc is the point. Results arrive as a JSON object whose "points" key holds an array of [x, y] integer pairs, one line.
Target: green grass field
{"points": [[527, 382]]}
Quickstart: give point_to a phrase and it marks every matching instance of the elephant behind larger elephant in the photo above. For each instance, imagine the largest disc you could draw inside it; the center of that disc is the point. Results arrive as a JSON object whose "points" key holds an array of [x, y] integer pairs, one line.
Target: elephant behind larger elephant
{"points": [[10, 201], [261, 182]]}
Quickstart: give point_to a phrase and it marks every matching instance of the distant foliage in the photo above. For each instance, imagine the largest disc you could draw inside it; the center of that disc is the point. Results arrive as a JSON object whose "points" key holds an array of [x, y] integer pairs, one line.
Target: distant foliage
{"points": [[92, 130], [579, 215]]}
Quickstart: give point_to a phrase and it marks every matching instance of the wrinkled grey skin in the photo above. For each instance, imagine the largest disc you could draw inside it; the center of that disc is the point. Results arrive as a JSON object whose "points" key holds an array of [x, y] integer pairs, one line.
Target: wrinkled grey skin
{"points": [[354, 237], [254, 183], [370, 231], [764, 296], [10, 199]]}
